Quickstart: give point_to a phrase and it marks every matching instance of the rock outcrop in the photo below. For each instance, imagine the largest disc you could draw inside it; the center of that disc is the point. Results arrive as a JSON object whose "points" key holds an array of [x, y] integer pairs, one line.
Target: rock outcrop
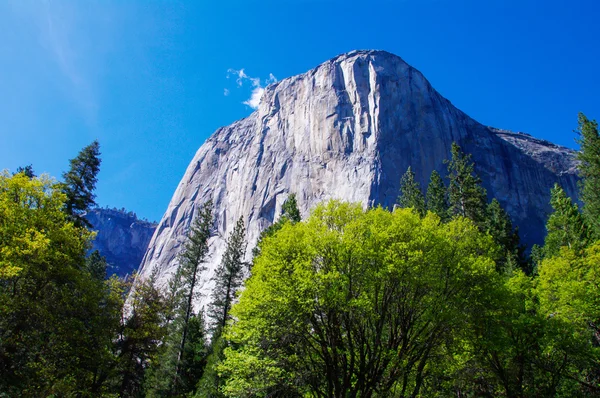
{"points": [[121, 238], [349, 129]]}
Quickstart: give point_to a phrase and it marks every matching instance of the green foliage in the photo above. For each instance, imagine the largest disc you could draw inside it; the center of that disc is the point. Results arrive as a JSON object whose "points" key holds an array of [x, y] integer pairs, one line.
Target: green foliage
{"points": [[57, 320], [589, 169], [411, 195], [466, 195], [79, 183], [210, 383], [167, 375], [354, 302], [566, 226], [499, 226], [289, 213], [569, 294], [290, 210], [437, 201], [96, 265], [141, 333], [228, 277], [27, 170], [195, 355]]}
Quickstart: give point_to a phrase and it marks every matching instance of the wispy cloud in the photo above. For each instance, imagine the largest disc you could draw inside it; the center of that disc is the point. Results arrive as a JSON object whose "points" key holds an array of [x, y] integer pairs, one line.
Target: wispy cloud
{"points": [[257, 88], [70, 37], [226, 92]]}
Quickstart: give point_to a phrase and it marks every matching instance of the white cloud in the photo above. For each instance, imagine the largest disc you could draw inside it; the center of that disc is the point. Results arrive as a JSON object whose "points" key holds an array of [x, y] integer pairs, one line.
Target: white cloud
{"points": [[271, 79], [258, 88], [226, 92], [254, 99]]}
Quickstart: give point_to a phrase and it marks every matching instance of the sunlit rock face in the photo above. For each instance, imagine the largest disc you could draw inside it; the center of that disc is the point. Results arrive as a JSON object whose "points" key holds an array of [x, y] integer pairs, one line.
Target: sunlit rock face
{"points": [[121, 238], [348, 130]]}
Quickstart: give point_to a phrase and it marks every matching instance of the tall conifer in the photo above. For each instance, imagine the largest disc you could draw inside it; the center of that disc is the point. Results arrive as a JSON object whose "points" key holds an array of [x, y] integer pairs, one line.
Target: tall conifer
{"points": [[566, 225], [80, 182], [589, 168], [466, 195], [437, 200], [168, 374], [410, 193], [229, 276]]}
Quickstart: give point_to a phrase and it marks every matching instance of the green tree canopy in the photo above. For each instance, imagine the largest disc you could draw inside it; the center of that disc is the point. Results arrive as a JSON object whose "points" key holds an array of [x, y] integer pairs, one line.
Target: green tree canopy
{"points": [[289, 213], [57, 320], [569, 295], [353, 302]]}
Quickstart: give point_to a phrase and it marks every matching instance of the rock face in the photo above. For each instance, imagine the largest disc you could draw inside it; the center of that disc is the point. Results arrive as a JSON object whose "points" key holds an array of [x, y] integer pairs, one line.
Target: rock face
{"points": [[349, 129], [121, 238]]}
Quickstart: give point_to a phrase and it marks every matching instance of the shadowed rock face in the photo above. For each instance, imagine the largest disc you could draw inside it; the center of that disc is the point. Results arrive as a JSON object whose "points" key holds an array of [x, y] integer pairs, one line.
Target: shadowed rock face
{"points": [[121, 238], [349, 129]]}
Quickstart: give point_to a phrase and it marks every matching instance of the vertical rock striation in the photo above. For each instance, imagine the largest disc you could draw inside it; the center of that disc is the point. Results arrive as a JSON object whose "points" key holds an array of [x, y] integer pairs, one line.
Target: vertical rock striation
{"points": [[349, 129]]}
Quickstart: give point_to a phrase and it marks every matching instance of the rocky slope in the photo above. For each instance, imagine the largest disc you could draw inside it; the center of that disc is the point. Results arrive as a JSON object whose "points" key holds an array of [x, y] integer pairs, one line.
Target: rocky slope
{"points": [[349, 129], [121, 237]]}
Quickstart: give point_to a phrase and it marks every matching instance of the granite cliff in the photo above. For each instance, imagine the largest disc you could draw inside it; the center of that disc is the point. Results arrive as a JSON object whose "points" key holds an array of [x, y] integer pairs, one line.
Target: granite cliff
{"points": [[121, 238], [349, 129]]}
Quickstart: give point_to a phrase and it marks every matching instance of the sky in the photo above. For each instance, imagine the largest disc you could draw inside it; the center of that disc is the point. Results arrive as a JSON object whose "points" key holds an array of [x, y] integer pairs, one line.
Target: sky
{"points": [[152, 80]]}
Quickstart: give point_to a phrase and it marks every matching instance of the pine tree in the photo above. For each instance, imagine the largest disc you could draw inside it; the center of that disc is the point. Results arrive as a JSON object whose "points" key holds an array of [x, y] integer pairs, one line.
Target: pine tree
{"points": [[290, 210], [411, 195], [166, 377], [96, 265], [289, 213], [466, 195], [80, 182], [27, 170], [228, 277], [142, 332], [589, 168], [566, 225], [437, 201], [208, 386], [499, 226], [195, 355]]}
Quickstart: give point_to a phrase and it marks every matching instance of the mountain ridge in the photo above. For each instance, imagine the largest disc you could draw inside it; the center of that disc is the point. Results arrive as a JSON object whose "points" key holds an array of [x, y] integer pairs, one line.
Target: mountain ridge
{"points": [[348, 129]]}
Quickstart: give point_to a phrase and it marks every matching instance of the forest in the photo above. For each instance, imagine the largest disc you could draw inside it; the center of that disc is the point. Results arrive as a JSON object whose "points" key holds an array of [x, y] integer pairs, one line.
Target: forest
{"points": [[436, 297]]}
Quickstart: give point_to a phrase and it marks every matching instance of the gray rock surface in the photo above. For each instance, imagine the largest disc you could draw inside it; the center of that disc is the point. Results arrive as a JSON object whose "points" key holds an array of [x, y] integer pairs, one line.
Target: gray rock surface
{"points": [[121, 238], [349, 129]]}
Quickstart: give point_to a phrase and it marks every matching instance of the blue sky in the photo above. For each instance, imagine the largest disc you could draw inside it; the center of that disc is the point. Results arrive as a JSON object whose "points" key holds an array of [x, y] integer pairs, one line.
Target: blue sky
{"points": [[148, 79]]}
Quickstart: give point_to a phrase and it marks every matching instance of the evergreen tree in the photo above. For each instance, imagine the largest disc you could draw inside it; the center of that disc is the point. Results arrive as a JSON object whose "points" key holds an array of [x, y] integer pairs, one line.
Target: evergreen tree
{"points": [[437, 201], [589, 168], [566, 226], [141, 333], [229, 277], [80, 182], [209, 384], [410, 193], [167, 374], [290, 210], [195, 354], [466, 195], [27, 170], [289, 213], [96, 264], [499, 226]]}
